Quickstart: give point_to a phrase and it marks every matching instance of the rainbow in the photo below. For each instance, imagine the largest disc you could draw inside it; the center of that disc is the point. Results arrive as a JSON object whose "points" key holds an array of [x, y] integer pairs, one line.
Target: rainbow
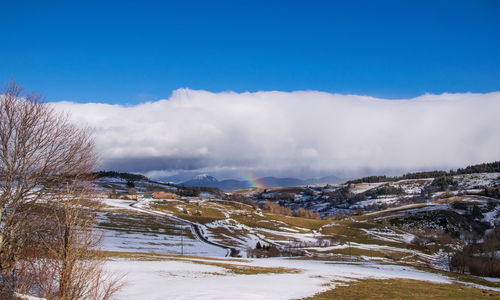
{"points": [[252, 181]]}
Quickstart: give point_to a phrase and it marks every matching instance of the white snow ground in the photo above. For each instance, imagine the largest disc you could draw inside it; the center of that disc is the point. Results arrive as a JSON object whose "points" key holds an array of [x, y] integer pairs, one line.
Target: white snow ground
{"points": [[187, 280]]}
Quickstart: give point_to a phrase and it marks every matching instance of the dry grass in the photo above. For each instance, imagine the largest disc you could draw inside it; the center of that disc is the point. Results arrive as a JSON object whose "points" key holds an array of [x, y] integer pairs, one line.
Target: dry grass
{"points": [[449, 200], [458, 199], [208, 211], [461, 277], [248, 270], [256, 221], [353, 251], [157, 256], [350, 231], [196, 212], [247, 190], [389, 211], [405, 289], [311, 224], [223, 235], [275, 221]]}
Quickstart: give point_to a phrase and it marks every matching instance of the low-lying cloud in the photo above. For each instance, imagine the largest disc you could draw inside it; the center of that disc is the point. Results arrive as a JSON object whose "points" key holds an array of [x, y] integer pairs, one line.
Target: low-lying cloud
{"points": [[304, 132]]}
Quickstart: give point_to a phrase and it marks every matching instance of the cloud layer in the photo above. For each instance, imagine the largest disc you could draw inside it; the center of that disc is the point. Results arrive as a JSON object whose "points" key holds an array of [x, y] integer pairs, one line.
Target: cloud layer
{"points": [[304, 132]]}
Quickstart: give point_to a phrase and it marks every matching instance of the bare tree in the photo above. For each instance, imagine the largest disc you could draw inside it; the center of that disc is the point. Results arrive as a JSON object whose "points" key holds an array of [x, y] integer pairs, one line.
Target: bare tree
{"points": [[41, 154], [76, 266], [63, 261]]}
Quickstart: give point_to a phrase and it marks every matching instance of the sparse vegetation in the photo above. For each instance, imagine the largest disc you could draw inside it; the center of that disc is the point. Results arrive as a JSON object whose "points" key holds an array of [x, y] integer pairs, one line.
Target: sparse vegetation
{"points": [[479, 258], [287, 211], [404, 289]]}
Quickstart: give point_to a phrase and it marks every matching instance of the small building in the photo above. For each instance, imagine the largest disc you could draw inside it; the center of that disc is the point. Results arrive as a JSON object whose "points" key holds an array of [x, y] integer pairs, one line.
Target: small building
{"points": [[128, 197]]}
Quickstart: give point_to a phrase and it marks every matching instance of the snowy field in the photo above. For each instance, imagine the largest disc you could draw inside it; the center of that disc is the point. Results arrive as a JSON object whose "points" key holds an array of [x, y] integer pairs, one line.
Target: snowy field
{"points": [[210, 276], [127, 229], [161, 244], [188, 280]]}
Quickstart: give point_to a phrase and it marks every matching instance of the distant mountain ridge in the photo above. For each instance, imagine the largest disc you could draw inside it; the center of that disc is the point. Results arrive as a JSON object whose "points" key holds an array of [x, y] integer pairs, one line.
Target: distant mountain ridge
{"points": [[233, 184], [205, 180]]}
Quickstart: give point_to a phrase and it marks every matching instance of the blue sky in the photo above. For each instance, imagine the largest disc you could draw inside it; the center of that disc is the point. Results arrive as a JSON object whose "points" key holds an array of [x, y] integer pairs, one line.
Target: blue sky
{"points": [[134, 51]]}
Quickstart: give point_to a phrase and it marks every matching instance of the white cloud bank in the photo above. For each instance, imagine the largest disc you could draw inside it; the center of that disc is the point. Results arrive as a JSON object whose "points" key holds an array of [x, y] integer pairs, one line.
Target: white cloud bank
{"points": [[306, 131]]}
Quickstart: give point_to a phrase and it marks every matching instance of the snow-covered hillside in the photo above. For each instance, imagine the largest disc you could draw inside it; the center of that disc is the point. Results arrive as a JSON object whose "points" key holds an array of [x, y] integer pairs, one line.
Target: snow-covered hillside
{"points": [[368, 230], [361, 197]]}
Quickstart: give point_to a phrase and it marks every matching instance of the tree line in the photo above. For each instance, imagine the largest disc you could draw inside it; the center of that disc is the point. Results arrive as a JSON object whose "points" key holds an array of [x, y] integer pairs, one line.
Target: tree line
{"points": [[287, 211], [492, 167]]}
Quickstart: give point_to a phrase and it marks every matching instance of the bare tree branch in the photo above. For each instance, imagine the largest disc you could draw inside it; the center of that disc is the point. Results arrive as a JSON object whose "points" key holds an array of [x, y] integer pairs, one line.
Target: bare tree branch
{"points": [[45, 164]]}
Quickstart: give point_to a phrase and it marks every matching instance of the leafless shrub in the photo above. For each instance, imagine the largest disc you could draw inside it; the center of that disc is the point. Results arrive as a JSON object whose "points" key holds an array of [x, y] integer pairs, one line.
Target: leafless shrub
{"points": [[479, 258], [277, 209], [47, 239], [307, 213]]}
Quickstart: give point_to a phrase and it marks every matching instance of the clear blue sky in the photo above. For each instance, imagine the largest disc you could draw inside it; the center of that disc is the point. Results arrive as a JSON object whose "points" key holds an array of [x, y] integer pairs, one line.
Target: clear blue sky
{"points": [[133, 51]]}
